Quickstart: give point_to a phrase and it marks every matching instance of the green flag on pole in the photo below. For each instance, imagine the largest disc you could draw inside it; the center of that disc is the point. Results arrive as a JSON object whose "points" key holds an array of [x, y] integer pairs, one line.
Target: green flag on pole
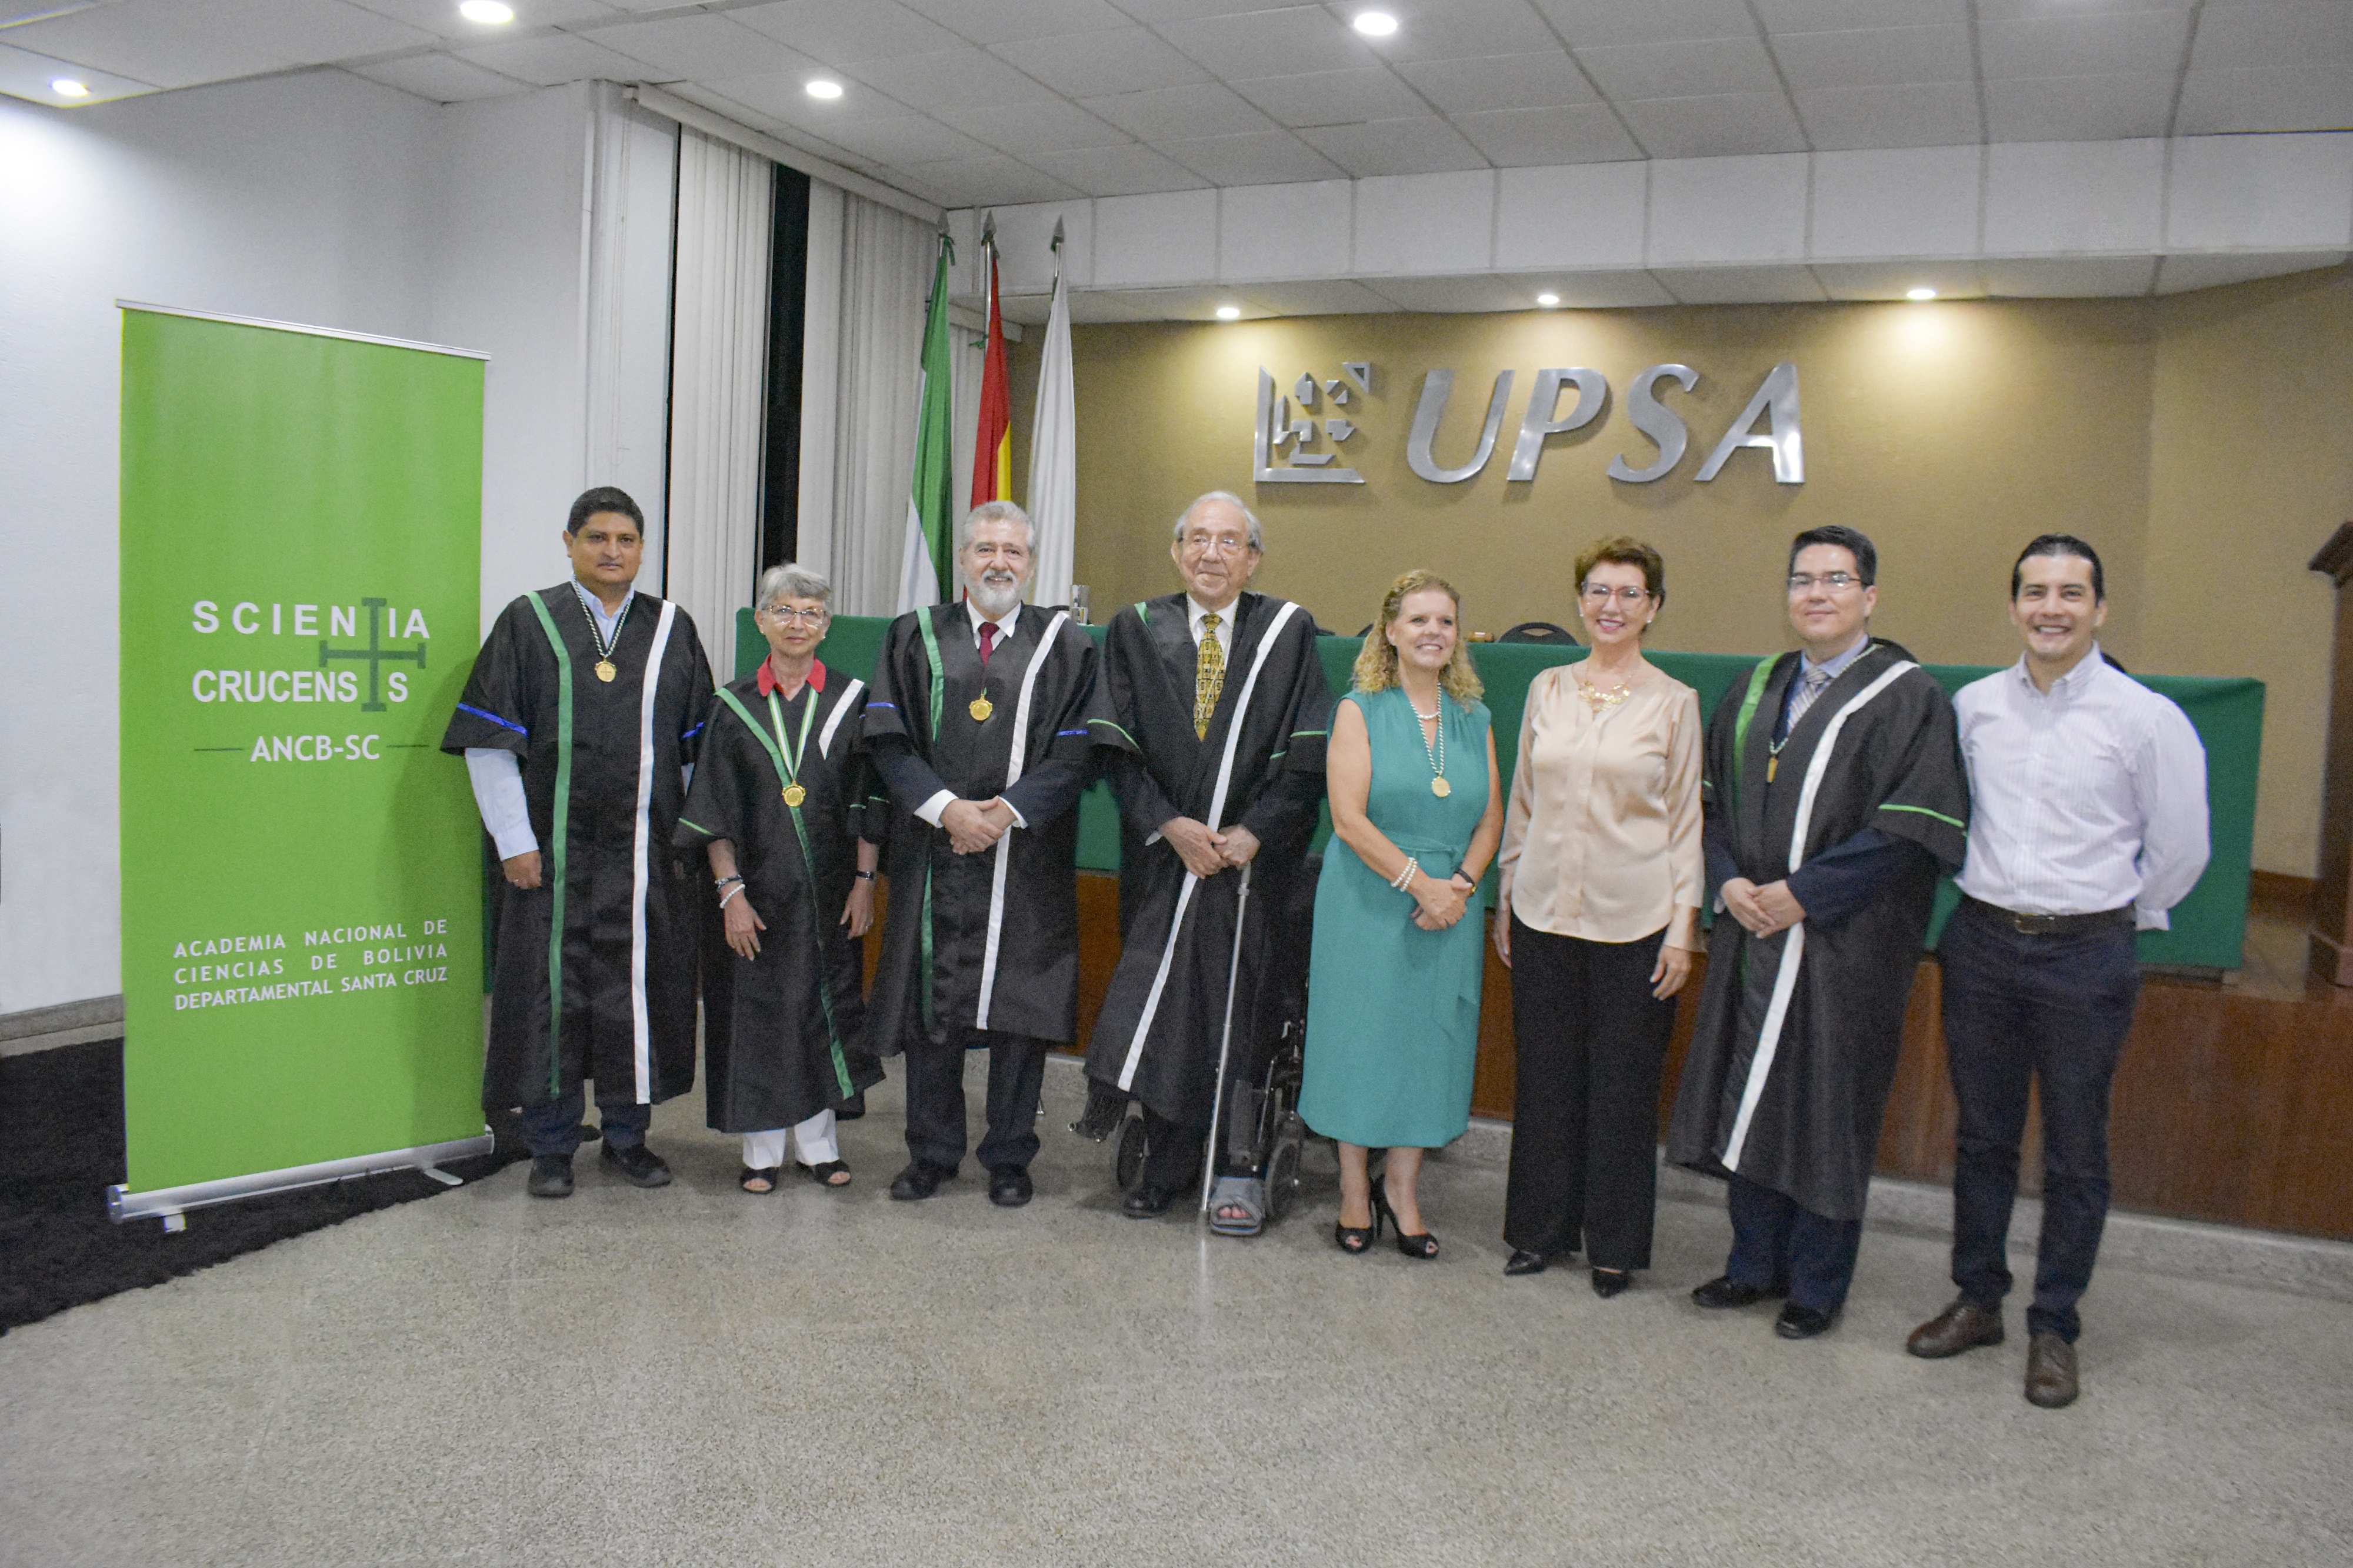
{"points": [[927, 576]]}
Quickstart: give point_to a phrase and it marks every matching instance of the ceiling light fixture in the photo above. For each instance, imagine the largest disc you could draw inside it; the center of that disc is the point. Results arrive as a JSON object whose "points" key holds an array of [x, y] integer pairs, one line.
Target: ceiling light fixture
{"points": [[1919, 293], [1547, 300], [488, 13], [1230, 312], [1374, 24], [66, 87], [825, 88]]}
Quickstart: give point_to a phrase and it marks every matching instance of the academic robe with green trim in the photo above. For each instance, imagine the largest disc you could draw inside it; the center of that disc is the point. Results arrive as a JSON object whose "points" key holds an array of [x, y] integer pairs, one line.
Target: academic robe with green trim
{"points": [[990, 941], [612, 756], [1795, 1046], [783, 1033], [1258, 767]]}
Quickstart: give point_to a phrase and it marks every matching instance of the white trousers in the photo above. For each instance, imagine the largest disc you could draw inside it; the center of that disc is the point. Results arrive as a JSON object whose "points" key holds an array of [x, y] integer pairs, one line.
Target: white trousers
{"points": [[765, 1151]]}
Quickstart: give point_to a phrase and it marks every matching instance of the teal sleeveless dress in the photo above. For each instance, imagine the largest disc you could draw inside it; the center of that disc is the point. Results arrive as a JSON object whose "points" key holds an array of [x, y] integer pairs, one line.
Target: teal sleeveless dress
{"points": [[1392, 1009]]}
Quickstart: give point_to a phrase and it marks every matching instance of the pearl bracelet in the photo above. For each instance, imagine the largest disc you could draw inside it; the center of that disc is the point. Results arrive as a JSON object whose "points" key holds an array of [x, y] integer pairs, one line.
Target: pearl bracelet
{"points": [[1404, 880]]}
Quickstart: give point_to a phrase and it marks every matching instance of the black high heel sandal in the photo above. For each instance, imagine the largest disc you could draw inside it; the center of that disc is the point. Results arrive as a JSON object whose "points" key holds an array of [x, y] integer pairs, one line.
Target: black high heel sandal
{"points": [[1423, 1246], [1357, 1239]]}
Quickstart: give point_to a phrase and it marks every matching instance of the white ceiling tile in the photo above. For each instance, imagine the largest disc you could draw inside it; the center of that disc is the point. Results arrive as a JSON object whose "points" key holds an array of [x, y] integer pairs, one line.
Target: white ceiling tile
{"points": [[26, 75], [1894, 280], [1257, 158], [1460, 29], [2179, 274], [1455, 296], [2067, 278], [909, 139], [1612, 290], [1422, 146], [2051, 199], [1123, 171], [1284, 231], [1697, 68], [1152, 12], [1004, 21], [1097, 308], [311, 31], [2078, 109], [1176, 113], [1919, 201], [2029, 10], [1837, 16], [1712, 210], [1590, 23], [785, 96], [1129, 59], [1286, 42], [1740, 285], [164, 42], [703, 47], [1714, 127], [849, 32], [1325, 297], [1522, 138], [1190, 303], [2313, 97], [1025, 128], [1168, 238], [1334, 98], [2247, 192], [984, 182], [15, 11], [1931, 114], [1425, 223], [1875, 56], [2121, 43], [964, 78], [1025, 244], [552, 58], [1584, 218], [2316, 33], [1540, 78], [444, 79], [440, 18]]}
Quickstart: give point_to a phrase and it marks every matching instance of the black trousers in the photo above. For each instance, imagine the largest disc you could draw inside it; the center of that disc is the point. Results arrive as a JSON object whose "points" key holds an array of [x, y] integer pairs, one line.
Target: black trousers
{"points": [[1777, 1244], [935, 1117], [552, 1125], [1585, 1105], [2017, 1008]]}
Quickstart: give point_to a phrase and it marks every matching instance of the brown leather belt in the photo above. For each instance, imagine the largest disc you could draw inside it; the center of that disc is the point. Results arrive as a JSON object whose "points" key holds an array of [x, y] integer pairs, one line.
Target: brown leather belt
{"points": [[2051, 925]]}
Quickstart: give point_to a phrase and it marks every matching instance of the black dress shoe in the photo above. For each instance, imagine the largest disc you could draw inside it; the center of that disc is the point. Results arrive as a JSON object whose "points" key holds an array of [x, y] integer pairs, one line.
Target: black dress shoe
{"points": [[639, 1164], [1008, 1187], [551, 1176], [1609, 1282], [1147, 1201], [1797, 1322], [1958, 1328], [1723, 1291], [921, 1179], [851, 1110], [1522, 1261]]}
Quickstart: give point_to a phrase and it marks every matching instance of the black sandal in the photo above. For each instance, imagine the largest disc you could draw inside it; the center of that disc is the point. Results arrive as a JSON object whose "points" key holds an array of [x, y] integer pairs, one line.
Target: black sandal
{"points": [[824, 1175], [1423, 1246], [750, 1173]]}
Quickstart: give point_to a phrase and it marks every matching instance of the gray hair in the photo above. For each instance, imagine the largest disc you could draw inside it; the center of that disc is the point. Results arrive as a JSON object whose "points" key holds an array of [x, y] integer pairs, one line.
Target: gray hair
{"points": [[995, 512], [1257, 539], [791, 581]]}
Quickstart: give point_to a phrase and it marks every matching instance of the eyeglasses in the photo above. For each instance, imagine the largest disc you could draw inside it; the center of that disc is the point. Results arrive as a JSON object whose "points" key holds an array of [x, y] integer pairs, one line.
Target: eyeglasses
{"points": [[778, 613], [1204, 544], [1595, 594], [1836, 582]]}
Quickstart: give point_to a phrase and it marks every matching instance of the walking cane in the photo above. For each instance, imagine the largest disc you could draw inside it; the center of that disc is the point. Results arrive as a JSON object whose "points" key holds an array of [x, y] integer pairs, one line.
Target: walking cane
{"points": [[1226, 1040]]}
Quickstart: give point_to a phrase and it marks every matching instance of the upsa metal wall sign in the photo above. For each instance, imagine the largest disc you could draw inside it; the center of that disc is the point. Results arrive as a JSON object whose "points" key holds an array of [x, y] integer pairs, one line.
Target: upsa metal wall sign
{"points": [[1308, 444]]}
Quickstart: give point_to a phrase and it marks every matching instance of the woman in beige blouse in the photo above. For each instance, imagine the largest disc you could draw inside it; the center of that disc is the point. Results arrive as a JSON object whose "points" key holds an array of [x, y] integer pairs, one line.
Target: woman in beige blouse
{"points": [[1597, 916]]}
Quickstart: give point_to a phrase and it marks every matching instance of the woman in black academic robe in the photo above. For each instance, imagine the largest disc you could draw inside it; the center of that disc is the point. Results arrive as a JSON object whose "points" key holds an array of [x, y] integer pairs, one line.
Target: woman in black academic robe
{"points": [[777, 804]]}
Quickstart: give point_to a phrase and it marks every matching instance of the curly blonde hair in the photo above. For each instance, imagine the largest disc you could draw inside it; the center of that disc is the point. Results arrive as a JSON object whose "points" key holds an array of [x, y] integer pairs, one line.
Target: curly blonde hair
{"points": [[1377, 666]]}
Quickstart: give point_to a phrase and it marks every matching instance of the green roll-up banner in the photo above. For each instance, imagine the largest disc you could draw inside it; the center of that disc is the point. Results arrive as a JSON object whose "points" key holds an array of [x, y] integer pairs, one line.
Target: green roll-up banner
{"points": [[301, 876]]}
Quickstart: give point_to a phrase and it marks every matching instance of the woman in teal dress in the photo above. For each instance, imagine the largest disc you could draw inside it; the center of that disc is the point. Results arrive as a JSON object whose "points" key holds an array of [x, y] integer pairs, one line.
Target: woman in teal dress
{"points": [[1393, 988]]}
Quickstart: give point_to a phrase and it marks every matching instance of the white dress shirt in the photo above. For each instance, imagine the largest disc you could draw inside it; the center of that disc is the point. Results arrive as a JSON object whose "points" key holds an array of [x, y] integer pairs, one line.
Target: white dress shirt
{"points": [[1224, 630], [2089, 797], [930, 810], [497, 775]]}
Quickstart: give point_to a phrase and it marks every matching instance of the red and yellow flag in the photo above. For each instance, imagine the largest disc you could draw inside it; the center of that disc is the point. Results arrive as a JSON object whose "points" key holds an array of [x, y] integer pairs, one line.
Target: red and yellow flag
{"points": [[992, 449]]}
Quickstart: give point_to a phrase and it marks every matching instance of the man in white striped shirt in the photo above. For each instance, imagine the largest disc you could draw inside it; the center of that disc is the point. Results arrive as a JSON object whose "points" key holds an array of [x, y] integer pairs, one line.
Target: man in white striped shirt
{"points": [[2087, 823]]}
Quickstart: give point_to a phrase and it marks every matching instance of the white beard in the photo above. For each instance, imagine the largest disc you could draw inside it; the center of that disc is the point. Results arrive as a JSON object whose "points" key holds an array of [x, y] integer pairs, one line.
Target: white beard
{"points": [[994, 602]]}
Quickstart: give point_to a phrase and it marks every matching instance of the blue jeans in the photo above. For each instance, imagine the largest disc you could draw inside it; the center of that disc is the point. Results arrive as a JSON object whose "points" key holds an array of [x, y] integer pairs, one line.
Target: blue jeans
{"points": [[553, 1126]]}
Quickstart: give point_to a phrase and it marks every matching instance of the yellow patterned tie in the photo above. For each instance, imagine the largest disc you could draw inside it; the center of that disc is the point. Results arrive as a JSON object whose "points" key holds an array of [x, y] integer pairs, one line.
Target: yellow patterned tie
{"points": [[1208, 676]]}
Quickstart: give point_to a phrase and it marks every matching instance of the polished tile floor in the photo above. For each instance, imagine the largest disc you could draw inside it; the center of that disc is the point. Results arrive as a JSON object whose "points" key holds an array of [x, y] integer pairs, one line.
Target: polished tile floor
{"points": [[696, 1376]]}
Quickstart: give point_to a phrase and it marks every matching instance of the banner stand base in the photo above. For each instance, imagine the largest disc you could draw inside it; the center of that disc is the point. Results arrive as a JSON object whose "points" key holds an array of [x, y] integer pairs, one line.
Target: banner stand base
{"points": [[169, 1203]]}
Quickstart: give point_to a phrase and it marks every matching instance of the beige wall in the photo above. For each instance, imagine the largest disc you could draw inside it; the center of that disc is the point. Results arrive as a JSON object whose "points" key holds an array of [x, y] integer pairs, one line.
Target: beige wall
{"points": [[2184, 437]]}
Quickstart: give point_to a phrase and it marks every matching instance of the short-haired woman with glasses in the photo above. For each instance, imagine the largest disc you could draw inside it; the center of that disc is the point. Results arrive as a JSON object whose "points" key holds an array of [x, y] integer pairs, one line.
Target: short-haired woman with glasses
{"points": [[778, 804], [1597, 915]]}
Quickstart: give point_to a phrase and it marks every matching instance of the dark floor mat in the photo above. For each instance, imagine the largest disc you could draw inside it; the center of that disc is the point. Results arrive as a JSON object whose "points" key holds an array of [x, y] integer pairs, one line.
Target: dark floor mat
{"points": [[61, 1147]]}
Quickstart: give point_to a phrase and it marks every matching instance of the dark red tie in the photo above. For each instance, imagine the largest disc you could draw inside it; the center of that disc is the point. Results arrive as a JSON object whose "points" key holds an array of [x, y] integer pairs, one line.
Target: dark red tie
{"points": [[987, 641]]}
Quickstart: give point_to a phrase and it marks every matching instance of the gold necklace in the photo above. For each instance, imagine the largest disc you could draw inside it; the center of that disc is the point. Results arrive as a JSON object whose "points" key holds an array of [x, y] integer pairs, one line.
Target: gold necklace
{"points": [[1601, 702]]}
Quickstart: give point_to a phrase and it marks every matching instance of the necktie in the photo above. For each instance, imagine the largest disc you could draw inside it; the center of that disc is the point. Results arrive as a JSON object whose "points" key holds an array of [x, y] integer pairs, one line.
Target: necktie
{"points": [[1808, 691], [987, 641], [1208, 676]]}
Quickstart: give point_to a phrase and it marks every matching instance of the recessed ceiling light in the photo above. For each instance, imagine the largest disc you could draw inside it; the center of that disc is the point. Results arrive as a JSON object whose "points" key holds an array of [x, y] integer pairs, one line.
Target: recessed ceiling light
{"points": [[66, 87], [489, 13], [824, 86], [1230, 312], [1919, 293], [1547, 299], [1374, 24]]}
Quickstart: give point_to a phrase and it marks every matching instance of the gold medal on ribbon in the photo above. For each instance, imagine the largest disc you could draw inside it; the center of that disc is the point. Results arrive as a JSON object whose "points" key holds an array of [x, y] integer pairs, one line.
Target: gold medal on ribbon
{"points": [[795, 793], [605, 670], [981, 708], [1441, 788]]}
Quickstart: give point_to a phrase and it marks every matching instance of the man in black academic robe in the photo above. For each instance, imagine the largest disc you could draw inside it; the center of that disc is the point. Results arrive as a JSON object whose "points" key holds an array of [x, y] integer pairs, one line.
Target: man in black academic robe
{"points": [[583, 711], [977, 722], [1834, 795], [1218, 717]]}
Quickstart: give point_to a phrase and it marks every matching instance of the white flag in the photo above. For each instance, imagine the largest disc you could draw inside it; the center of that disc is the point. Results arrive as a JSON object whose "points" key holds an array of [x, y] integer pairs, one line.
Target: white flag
{"points": [[1054, 460]]}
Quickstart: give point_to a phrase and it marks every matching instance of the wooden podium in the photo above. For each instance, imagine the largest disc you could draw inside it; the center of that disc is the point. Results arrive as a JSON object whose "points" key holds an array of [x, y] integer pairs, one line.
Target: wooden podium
{"points": [[2332, 903]]}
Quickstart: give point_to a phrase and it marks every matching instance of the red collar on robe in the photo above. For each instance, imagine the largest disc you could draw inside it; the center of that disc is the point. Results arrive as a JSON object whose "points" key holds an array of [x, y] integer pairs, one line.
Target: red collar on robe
{"points": [[768, 676]]}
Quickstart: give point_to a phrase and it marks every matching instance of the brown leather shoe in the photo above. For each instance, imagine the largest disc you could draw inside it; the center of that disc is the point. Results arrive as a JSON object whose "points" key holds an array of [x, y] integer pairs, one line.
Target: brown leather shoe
{"points": [[2050, 1372], [1958, 1328]]}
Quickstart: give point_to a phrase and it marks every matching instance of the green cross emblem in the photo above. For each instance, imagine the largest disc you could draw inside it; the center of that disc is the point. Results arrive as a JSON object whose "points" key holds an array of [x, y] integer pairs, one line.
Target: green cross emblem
{"points": [[376, 653]]}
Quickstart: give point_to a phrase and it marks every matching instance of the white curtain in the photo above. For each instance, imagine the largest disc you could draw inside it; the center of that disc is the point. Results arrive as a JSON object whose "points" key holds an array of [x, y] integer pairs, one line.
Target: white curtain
{"points": [[718, 381], [869, 276], [626, 308]]}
